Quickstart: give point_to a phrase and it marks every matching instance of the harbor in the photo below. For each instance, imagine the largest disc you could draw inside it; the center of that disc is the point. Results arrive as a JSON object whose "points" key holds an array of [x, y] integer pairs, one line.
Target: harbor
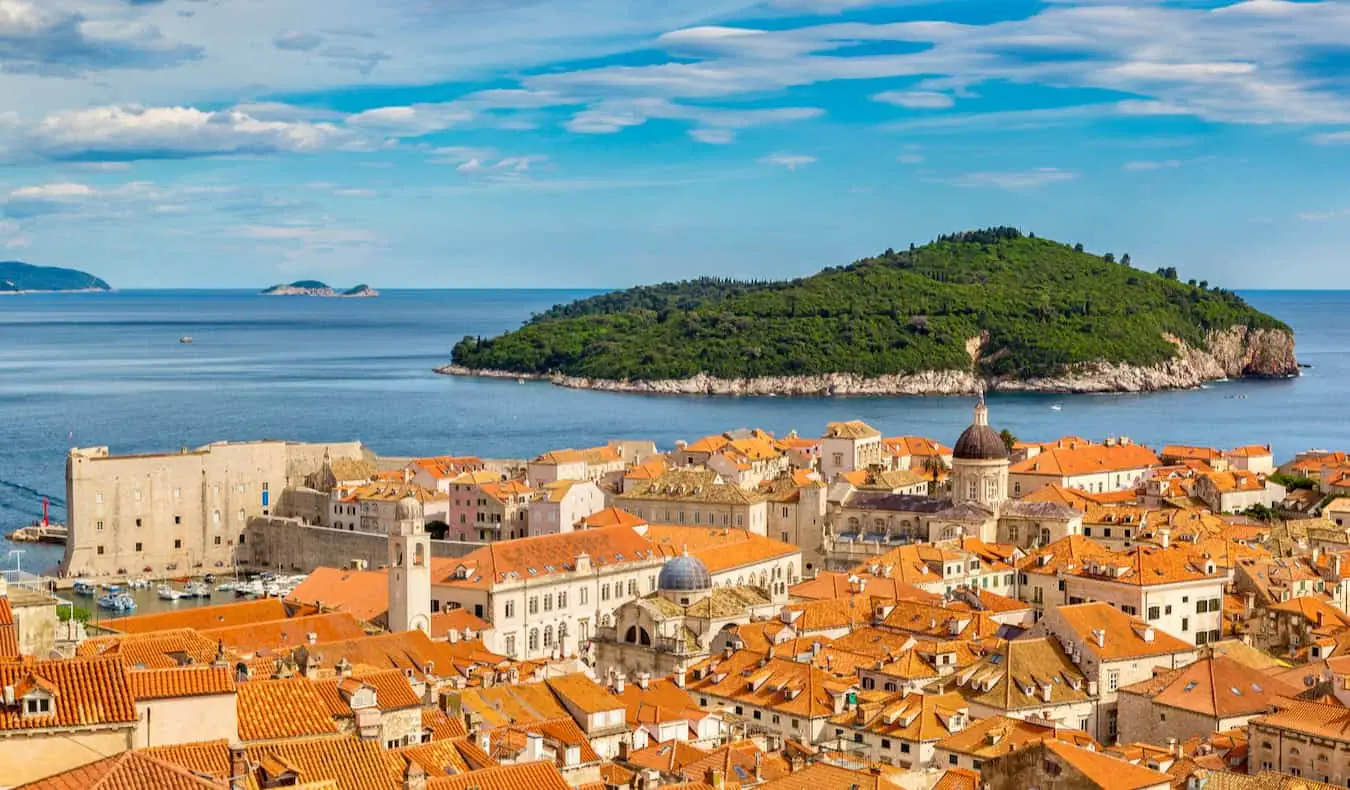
{"points": [[112, 600]]}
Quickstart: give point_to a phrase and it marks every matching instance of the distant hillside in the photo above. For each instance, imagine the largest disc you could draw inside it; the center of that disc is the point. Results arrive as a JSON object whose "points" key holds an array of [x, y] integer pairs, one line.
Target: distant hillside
{"points": [[995, 305], [17, 276]]}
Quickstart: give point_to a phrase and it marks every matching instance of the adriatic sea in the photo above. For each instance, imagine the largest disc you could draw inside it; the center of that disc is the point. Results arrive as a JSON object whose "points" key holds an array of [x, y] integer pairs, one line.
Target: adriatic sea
{"points": [[108, 369]]}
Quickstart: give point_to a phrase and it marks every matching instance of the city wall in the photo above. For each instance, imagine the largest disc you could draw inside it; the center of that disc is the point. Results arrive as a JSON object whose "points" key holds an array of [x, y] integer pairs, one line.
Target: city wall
{"points": [[289, 545]]}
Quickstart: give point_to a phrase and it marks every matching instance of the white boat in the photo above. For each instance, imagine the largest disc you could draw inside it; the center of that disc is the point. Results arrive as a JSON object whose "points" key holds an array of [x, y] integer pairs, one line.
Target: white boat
{"points": [[1057, 407], [139, 584], [197, 590], [167, 593], [185, 339], [225, 587], [84, 588]]}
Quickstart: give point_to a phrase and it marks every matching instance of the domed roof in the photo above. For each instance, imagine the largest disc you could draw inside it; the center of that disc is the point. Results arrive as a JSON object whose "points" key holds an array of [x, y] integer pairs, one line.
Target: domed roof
{"points": [[683, 574], [407, 509], [979, 442]]}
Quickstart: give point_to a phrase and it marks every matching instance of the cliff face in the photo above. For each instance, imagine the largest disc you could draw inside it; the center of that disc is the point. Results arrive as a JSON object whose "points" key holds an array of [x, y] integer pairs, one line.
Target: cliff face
{"points": [[1237, 352]]}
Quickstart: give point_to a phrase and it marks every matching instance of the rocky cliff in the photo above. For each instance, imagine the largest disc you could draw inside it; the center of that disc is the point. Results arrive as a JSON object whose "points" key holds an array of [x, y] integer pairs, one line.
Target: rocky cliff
{"points": [[1238, 352]]}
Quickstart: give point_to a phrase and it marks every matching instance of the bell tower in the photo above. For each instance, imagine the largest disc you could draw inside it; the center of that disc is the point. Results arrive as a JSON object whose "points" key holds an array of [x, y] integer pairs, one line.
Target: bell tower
{"points": [[409, 569]]}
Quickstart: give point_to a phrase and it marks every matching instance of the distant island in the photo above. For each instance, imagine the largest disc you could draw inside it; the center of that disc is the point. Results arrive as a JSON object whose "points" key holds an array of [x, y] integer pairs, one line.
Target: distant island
{"points": [[17, 278], [992, 309], [316, 288]]}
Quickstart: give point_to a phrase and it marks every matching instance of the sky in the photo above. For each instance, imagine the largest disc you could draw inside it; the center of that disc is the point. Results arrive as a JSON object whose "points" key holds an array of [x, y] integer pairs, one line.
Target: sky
{"points": [[603, 143]]}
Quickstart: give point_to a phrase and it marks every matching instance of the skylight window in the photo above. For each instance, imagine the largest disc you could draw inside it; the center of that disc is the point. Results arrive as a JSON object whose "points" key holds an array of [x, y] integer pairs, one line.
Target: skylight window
{"points": [[1236, 691]]}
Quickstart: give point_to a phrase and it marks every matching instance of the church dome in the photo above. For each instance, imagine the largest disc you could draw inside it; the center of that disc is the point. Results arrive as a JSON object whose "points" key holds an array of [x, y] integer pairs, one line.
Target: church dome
{"points": [[408, 509], [979, 442], [684, 574]]}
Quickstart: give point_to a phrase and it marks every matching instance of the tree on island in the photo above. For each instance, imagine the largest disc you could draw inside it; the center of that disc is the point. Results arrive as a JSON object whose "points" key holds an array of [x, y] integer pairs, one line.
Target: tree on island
{"points": [[1109, 257], [1125, 259]]}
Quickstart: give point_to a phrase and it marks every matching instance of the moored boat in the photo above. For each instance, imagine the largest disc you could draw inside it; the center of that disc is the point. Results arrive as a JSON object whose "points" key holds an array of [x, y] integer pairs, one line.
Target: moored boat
{"points": [[167, 593], [197, 590], [84, 588]]}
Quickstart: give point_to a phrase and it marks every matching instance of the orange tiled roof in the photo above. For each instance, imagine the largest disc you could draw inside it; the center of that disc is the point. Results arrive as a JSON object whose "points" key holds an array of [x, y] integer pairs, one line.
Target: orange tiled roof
{"points": [[364, 594], [200, 617], [1250, 451], [824, 776], [85, 692], [667, 756], [1124, 636], [446, 466], [649, 469], [610, 517], [391, 687], [502, 491], [781, 685], [910, 717], [540, 775], [958, 779], [443, 727], [719, 549], [592, 456], [1106, 772], [9, 634], [833, 584], [275, 709], [583, 693], [1177, 452], [1215, 687], [1091, 459], [998, 735], [193, 680], [852, 429], [125, 771], [286, 634], [458, 620], [503, 705], [661, 701], [545, 555], [391, 491], [351, 763]]}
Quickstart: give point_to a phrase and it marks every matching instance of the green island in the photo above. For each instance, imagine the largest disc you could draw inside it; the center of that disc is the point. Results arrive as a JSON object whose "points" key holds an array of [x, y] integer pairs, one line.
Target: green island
{"points": [[18, 277], [318, 288], [1003, 306]]}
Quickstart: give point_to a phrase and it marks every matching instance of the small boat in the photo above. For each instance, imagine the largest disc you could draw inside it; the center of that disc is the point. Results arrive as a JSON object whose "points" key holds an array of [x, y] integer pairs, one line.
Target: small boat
{"points": [[84, 588], [119, 602], [225, 587], [197, 590], [209, 578], [1057, 407], [112, 588], [139, 584], [185, 339], [167, 593]]}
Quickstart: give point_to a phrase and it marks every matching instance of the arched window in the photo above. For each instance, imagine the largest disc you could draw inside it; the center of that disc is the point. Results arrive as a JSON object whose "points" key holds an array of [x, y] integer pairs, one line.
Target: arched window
{"points": [[948, 533], [548, 636], [534, 639], [631, 636], [971, 490], [792, 573], [419, 555], [878, 524], [1045, 535]]}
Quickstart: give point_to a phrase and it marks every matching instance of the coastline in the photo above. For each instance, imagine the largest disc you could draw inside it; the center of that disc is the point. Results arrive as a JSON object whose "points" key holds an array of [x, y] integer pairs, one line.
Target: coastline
{"points": [[1236, 353], [58, 291]]}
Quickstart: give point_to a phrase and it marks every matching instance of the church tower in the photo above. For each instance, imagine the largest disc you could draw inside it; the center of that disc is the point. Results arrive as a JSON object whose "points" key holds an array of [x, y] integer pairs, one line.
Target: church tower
{"points": [[409, 569], [980, 464]]}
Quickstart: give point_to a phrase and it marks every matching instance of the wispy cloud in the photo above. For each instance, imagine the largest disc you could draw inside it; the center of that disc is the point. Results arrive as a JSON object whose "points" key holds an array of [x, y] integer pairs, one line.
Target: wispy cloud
{"points": [[1321, 216], [916, 100], [789, 161], [1160, 164], [1331, 138], [1014, 179], [40, 38]]}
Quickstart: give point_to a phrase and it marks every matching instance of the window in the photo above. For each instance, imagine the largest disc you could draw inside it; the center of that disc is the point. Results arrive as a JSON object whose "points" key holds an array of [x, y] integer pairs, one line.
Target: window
{"points": [[584, 594], [217, 540], [510, 609], [951, 759], [240, 517], [757, 715], [1167, 609], [138, 522], [548, 636], [37, 707], [511, 645], [100, 550], [533, 643], [1154, 613], [562, 600], [178, 543], [1112, 679], [548, 603], [98, 497], [138, 547], [904, 747], [98, 525], [632, 587], [1201, 606], [857, 737], [1185, 624], [178, 519], [885, 743]]}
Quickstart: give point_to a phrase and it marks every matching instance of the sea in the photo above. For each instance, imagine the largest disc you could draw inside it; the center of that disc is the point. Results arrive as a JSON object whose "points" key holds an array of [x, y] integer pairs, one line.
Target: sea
{"points": [[108, 369]]}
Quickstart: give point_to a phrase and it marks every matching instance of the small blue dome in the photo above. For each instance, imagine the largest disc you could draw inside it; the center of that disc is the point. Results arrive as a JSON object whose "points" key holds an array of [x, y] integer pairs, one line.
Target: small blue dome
{"points": [[684, 574]]}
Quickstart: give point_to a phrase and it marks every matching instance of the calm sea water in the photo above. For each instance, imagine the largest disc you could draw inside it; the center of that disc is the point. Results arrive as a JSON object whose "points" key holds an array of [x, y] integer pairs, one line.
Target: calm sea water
{"points": [[107, 369]]}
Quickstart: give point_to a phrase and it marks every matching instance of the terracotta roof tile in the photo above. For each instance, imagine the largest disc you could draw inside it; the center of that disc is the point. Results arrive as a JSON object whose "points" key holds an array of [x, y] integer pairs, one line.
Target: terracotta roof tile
{"points": [[195, 680], [540, 775], [1214, 687], [275, 709], [1106, 772], [200, 617], [285, 634], [505, 704], [823, 776], [9, 634], [546, 554], [84, 692], [997, 735], [958, 779], [1086, 460], [443, 726], [611, 517], [583, 693], [852, 429], [1124, 636], [667, 756], [720, 549], [363, 594], [351, 763], [126, 771], [152, 650]]}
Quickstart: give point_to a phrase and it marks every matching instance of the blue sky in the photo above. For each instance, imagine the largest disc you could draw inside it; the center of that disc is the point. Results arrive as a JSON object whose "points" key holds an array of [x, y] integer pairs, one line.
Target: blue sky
{"points": [[515, 143]]}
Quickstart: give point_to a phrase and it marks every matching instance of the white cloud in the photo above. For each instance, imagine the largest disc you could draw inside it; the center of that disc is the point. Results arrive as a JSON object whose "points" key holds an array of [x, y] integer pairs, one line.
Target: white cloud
{"points": [[790, 161], [916, 100], [1321, 216], [1014, 179], [1163, 164], [61, 191], [1330, 138], [610, 116], [43, 39], [713, 136], [309, 235], [127, 133], [296, 41], [910, 159]]}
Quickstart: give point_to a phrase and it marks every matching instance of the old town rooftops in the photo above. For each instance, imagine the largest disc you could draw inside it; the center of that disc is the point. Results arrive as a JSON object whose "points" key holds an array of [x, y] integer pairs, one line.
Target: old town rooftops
{"points": [[591, 456], [125, 771], [1112, 635], [1321, 719], [1024, 673], [997, 735], [851, 429], [275, 709], [391, 491], [691, 485], [718, 548], [1087, 460], [1106, 772], [782, 685], [218, 616], [911, 717], [67, 693], [610, 517], [1217, 687], [535, 557], [195, 680], [363, 594]]}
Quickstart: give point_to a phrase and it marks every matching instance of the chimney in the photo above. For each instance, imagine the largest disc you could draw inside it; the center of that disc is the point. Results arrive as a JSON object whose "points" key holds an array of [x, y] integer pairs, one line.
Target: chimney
{"points": [[1046, 688], [414, 776], [1148, 633], [680, 677], [1099, 636], [1092, 688], [1164, 536], [534, 747], [618, 683], [727, 651], [759, 759], [1174, 747], [644, 679], [238, 768]]}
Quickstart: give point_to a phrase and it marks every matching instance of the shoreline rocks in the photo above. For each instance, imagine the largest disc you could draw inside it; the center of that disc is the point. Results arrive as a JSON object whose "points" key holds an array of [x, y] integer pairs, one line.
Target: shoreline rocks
{"points": [[1238, 352]]}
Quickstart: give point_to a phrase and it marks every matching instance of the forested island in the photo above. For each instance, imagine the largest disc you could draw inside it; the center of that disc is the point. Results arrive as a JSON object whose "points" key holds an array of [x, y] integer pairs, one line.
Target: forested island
{"points": [[318, 288], [17, 277], [990, 309]]}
